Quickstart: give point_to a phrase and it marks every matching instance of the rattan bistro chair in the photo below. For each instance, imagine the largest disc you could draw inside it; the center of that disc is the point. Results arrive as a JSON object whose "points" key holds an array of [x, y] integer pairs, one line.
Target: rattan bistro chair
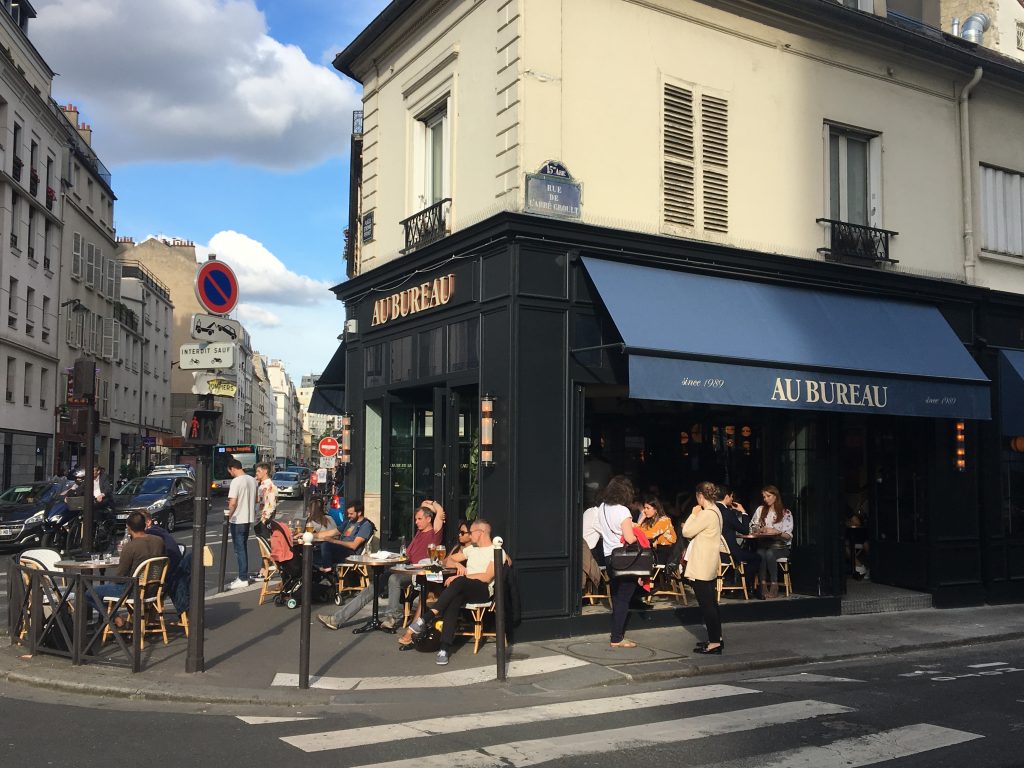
{"points": [[729, 568], [150, 574], [271, 569]]}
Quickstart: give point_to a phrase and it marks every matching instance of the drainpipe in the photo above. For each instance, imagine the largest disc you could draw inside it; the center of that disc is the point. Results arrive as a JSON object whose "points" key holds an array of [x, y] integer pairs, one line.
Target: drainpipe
{"points": [[967, 177]]}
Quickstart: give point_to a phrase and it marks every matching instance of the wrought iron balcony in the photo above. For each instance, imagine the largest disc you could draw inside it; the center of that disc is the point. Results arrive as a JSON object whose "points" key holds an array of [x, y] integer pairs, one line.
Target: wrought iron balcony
{"points": [[857, 243], [427, 226]]}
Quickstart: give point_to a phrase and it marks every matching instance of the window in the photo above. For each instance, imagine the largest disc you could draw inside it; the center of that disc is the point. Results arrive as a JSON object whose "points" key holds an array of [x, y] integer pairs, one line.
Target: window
{"points": [[108, 337], [46, 317], [27, 382], [462, 346], [434, 149], [111, 276], [105, 400], [30, 242], [432, 352], [854, 160], [1020, 35], [696, 160], [90, 265], [401, 359], [10, 380], [44, 386], [1002, 211], [374, 365], [15, 220], [96, 334], [12, 296], [76, 255], [30, 301], [859, 5]]}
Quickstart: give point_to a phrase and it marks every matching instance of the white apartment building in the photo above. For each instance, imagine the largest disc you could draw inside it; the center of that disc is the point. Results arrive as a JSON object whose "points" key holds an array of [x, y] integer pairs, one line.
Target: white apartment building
{"points": [[288, 446], [263, 416]]}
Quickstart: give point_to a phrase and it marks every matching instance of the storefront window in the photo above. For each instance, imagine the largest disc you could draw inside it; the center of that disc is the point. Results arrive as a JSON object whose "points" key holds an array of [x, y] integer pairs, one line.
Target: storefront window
{"points": [[411, 464], [1013, 493], [374, 365], [401, 359], [463, 354], [801, 449], [432, 353]]}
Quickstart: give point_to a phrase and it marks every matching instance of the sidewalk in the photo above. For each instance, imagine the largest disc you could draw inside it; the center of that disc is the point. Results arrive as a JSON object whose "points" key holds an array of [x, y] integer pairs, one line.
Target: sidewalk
{"points": [[252, 653]]}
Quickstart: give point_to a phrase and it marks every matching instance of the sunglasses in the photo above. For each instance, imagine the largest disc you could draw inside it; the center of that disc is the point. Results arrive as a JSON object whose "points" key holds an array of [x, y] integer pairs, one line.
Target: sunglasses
{"points": [[463, 533]]}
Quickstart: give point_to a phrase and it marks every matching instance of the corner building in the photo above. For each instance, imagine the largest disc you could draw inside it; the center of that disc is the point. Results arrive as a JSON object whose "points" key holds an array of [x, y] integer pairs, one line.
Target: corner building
{"points": [[756, 243]]}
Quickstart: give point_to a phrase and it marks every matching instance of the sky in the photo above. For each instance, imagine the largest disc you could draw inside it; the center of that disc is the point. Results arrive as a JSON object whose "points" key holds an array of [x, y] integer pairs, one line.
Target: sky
{"points": [[223, 122]]}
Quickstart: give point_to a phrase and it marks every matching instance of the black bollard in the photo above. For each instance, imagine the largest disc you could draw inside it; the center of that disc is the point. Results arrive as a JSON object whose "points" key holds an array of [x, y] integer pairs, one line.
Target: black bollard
{"points": [[307, 598], [224, 554], [499, 606]]}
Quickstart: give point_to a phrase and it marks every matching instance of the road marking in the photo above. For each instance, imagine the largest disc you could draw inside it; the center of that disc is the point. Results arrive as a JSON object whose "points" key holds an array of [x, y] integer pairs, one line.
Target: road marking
{"points": [[252, 720], [863, 750], [803, 677], [354, 737], [540, 666], [518, 754], [989, 664]]}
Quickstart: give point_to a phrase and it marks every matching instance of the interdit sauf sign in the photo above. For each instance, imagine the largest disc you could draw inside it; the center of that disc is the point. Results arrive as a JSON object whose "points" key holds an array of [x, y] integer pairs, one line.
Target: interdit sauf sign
{"points": [[411, 301]]}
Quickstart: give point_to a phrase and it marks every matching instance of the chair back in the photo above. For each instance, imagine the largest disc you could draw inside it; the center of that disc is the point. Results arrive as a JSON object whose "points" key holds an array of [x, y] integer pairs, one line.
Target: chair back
{"points": [[151, 574], [264, 546], [47, 558]]}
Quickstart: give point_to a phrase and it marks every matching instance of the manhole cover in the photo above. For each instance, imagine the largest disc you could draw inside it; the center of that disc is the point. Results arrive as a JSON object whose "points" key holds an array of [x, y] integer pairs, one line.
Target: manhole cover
{"points": [[603, 652]]}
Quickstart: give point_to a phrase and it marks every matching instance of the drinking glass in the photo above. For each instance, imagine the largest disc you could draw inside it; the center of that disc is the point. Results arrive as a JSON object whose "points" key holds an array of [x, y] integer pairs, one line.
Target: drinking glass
{"points": [[441, 552]]}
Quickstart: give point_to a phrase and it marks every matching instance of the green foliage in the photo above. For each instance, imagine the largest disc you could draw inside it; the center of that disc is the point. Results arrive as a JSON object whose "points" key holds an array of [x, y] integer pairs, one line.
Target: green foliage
{"points": [[474, 478]]}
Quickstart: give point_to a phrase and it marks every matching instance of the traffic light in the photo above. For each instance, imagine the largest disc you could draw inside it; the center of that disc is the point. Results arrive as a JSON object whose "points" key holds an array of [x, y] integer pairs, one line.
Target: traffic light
{"points": [[203, 428]]}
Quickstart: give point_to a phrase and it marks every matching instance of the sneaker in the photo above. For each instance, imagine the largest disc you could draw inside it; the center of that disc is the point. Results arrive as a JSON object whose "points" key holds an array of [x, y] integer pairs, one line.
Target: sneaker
{"points": [[442, 658], [237, 583], [389, 622], [418, 627], [327, 620]]}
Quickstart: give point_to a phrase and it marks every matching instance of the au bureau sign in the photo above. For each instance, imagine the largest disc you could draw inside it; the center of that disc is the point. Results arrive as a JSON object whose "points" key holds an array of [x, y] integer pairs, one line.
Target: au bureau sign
{"points": [[411, 301]]}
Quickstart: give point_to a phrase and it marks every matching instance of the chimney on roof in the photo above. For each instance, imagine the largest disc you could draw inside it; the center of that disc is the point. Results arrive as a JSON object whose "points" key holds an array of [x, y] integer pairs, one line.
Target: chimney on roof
{"points": [[126, 239], [71, 113], [85, 131]]}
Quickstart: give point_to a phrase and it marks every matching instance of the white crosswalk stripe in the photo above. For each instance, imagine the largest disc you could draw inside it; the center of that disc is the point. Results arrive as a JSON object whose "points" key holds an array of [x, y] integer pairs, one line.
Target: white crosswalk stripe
{"points": [[803, 677], [519, 754], [354, 737], [255, 720], [864, 750]]}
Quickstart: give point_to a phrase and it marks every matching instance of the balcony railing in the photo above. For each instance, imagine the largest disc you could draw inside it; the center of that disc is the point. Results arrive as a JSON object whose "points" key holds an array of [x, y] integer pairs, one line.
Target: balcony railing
{"points": [[357, 122], [427, 226], [857, 243]]}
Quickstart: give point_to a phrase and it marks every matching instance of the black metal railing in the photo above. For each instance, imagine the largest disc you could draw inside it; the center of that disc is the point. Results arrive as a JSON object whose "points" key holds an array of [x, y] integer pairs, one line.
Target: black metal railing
{"points": [[855, 242], [427, 226], [49, 611], [357, 123]]}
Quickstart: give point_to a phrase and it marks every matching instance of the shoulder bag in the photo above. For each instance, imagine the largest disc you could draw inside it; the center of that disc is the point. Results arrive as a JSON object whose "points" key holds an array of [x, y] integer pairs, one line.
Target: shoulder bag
{"points": [[629, 559]]}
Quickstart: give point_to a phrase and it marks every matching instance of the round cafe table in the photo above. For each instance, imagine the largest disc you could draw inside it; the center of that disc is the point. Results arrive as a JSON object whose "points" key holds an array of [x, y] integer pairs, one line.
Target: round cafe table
{"points": [[377, 566]]}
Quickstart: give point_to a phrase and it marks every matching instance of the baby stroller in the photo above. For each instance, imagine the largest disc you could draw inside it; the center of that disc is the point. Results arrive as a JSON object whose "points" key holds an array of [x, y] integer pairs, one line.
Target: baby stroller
{"points": [[288, 557]]}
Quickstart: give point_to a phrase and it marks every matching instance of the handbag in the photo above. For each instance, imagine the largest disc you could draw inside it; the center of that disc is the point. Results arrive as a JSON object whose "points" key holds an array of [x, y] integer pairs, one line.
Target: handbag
{"points": [[629, 559]]}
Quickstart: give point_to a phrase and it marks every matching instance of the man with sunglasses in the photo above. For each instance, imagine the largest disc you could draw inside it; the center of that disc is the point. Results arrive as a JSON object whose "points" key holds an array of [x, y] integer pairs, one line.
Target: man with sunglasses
{"points": [[429, 522]]}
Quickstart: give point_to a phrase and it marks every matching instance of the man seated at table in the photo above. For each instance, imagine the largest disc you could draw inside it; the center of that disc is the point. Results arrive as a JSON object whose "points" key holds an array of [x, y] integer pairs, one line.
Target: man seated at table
{"points": [[336, 545], [139, 548], [429, 521], [473, 582], [174, 560], [735, 522]]}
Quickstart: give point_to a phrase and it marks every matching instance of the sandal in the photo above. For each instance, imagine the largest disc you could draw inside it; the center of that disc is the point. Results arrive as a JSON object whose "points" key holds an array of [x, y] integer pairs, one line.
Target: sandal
{"points": [[406, 642], [623, 643]]}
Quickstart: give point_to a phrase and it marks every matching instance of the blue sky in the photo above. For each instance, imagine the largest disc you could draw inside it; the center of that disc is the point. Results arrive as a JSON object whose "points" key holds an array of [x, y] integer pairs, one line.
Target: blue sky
{"points": [[223, 122]]}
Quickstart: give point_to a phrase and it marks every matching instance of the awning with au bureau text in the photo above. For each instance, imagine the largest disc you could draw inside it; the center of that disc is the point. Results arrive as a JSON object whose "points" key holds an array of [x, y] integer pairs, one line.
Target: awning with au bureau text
{"points": [[707, 339]]}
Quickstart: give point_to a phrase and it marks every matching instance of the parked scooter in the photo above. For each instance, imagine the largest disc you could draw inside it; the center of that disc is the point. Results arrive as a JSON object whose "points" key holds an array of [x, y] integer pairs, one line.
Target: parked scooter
{"points": [[63, 531]]}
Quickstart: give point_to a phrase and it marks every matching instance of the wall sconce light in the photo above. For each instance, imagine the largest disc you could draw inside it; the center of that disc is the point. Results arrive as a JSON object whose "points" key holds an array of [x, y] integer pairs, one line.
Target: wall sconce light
{"points": [[487, 430], [961, 447], [345, 449]]}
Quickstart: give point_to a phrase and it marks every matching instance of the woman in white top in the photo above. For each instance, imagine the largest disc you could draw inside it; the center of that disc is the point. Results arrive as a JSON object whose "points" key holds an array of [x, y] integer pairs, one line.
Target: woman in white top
{"points": [[773, 520], [615, 522], [704, 530]]}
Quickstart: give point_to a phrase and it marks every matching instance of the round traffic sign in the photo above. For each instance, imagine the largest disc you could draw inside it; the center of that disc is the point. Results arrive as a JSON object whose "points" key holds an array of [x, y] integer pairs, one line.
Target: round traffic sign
{"points": [[216, 287], [328, 447]]}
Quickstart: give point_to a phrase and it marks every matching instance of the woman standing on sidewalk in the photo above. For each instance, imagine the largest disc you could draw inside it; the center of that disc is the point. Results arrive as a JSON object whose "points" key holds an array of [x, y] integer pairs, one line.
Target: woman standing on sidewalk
{"points": [[704, 529], [616, 524]]}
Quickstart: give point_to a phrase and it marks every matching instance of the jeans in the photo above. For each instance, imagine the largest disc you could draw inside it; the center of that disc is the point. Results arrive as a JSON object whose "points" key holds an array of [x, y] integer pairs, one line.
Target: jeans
{"points": [[461, 591], [329, 553], [623, 588], [396, 582], [107, 590], [769, 564], [707, 599], [240, 538]]}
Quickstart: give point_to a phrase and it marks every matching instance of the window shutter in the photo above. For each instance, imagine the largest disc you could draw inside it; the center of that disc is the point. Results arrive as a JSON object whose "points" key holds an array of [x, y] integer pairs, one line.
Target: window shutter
{"points": [[70, 329], [116, 352], [90, 265], [108, 337], [117, 281], [715, 160], [679, 156], [76, 255], [1002, 211]]}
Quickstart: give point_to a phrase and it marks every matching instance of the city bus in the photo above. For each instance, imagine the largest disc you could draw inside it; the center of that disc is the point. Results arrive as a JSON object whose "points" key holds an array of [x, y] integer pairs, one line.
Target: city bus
{"points": [[249, 455]]}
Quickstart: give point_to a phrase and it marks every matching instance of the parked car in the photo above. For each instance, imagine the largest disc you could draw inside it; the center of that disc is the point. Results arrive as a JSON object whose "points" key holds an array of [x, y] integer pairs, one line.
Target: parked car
{"points": [[289, 485], [25, 508], [220, 487], [170, 499], [174, 469]]}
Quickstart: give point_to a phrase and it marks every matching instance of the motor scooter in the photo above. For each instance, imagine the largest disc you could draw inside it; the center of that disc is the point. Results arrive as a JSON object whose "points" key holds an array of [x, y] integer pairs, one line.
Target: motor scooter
{"points": [[63, 530]]}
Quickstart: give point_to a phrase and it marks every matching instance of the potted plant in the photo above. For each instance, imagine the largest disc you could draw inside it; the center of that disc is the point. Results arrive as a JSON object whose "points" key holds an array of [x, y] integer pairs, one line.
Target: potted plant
{"points": [[33, 180], [51, 196]]}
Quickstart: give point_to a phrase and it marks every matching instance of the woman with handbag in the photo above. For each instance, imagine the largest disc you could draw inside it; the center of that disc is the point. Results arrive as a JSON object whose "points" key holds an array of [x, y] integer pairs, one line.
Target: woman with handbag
{"points": [[616, 524], [704, 530]]}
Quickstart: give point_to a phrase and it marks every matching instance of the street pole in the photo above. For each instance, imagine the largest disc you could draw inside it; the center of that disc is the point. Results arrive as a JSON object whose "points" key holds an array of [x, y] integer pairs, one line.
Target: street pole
{"points": [[222, 570], [194, 661], [307, 598], [90, 463], [499, 606]]}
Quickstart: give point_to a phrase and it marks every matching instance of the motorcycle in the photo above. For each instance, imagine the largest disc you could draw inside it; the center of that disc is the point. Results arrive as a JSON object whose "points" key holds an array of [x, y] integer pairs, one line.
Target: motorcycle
{"points": [[63, 531]]}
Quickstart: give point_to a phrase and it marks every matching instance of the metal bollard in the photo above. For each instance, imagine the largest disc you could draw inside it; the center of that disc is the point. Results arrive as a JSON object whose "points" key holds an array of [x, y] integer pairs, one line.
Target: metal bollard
{"points": [[223, 554], [307, 598], [499, 606]]}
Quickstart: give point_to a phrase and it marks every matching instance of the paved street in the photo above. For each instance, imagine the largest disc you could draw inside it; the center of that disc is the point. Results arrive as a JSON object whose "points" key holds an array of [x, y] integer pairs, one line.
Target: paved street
{"points": [[897, 711]]}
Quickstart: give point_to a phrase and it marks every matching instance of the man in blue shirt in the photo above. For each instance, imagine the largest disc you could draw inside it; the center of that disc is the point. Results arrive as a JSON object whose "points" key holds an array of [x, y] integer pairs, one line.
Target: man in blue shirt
{"points": [[352, 537]]}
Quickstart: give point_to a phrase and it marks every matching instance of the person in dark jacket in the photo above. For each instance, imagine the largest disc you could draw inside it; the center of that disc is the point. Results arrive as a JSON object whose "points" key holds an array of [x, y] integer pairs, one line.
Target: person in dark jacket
{"points": [[736, 522]]}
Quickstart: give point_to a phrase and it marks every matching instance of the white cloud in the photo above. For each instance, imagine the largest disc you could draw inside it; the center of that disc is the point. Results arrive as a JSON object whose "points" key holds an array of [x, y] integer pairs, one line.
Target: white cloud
{"points": [[173, 80], [251, 315]]}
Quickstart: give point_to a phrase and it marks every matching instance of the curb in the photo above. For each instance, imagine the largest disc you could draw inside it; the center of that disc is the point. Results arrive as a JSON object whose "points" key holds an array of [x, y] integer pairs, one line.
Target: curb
{"points": [[289, 697]]}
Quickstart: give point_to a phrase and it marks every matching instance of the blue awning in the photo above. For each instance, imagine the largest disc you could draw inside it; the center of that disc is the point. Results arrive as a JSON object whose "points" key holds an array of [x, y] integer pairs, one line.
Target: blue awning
{"points": [[704, 339], [329, 391], [1011, 392]]}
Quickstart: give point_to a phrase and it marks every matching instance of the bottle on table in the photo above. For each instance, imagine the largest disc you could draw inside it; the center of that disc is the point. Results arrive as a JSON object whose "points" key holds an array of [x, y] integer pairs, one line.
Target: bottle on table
{"points": [[401, 548]]}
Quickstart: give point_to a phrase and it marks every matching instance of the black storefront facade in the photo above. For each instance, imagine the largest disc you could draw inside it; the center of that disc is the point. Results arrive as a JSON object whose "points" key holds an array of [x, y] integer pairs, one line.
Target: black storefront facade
{"points": [[681, 361]]}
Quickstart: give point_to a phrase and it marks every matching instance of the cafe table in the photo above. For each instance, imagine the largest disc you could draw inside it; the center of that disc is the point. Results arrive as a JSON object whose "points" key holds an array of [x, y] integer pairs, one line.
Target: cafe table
{"points": [[100, 566], [377, 566]]}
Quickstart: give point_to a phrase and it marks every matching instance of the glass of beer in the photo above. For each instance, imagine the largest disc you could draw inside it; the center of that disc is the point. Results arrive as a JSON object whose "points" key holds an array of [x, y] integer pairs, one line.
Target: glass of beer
{"points": [[441, 552], [431, 553]]}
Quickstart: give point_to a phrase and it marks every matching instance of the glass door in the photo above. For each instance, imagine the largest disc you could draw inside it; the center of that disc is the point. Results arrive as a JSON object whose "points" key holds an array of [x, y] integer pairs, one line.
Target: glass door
{"points": [[410, 463], [456, 451]]}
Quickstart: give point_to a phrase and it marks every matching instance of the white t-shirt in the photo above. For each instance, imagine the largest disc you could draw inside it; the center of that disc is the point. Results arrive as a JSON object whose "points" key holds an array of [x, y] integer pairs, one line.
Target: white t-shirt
{"points": [[243, 490], [609, 522], [477, 560]]}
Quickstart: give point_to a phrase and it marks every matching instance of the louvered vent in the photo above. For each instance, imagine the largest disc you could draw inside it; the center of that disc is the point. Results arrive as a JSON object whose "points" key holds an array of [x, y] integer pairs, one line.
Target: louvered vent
{"points": [[679, 156], [715, 157]]}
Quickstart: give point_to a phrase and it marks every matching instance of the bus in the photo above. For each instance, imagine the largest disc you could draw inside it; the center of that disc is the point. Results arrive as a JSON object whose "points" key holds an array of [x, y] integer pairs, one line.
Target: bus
{"points": [[249, 455]]}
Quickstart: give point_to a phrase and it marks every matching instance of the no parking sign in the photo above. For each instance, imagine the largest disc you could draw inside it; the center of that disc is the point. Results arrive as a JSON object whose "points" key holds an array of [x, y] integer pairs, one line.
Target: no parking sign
{"points": [[217, 287]]}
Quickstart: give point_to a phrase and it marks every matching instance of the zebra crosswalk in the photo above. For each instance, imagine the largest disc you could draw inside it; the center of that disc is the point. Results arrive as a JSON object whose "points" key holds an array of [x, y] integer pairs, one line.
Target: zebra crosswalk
{"points": [[580, 730]]}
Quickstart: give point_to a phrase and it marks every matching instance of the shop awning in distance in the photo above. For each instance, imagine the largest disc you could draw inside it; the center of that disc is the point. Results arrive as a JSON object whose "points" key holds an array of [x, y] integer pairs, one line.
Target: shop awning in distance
{"points": [[1011, 391], [707, 339], [329, 392]]}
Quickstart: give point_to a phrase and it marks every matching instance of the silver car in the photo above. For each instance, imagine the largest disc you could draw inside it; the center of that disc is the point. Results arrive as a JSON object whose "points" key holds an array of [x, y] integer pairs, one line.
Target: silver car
{"points": [[289, 485]]}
